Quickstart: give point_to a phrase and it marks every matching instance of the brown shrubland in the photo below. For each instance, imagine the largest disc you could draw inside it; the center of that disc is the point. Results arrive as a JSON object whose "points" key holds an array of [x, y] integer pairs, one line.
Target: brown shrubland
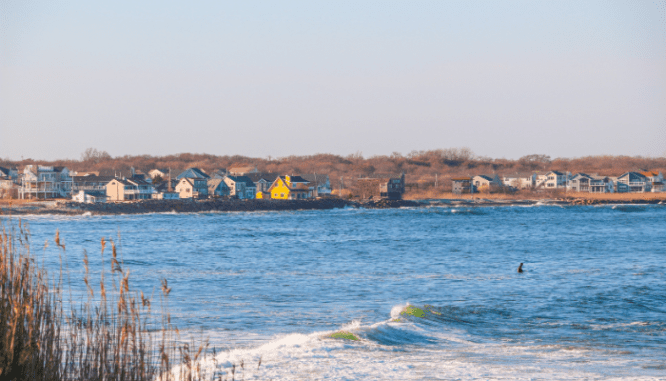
{"points": [[424, 170], [105, 337]]}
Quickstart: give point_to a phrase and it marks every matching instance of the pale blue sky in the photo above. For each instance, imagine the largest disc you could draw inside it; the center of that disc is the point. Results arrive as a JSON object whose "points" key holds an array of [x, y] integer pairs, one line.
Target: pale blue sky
{"points": [[505, 78]]}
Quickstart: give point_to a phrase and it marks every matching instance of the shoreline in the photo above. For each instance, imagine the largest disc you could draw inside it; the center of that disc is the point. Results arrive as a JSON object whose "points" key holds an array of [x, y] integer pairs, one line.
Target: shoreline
{"points": [[70, 208]]}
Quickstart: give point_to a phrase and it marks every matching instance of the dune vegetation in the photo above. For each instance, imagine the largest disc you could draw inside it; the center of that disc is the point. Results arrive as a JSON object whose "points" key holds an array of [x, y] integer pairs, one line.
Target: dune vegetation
{"points": [[106, 336]]}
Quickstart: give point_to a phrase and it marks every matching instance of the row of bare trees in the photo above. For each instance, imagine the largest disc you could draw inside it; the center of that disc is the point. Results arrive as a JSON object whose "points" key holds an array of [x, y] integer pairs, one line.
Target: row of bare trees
{"points": [[423, 169]]}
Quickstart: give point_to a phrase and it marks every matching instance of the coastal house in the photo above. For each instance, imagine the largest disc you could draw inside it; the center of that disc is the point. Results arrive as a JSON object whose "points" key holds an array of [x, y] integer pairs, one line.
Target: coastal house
{"points": [[188, 187], [656, 180], [552, 180], [490, 183], [634, 182], [123, 189], [161, 173], [579, 183], [89, 196], [582, 182], [43, 181], [218, 188], [243, 170], [219, 173], [262, 181], [601, 184], [320, 184], [290, 188], [11, 173], [193, 173], [8, 187], [525, 180], [389, 186], [462, 185], [241, 187], [90, 183]]}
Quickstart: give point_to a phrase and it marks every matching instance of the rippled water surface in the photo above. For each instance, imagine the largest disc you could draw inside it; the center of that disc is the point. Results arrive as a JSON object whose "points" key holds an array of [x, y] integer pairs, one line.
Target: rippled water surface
{"points": [[590, 305]]}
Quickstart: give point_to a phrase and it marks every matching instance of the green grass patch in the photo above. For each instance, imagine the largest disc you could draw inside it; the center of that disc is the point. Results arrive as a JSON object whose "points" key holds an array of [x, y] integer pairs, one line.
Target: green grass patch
{"points": [[344, 335]]}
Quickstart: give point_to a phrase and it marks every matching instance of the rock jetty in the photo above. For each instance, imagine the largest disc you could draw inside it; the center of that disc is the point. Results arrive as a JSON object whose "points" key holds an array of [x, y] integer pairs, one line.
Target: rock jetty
{"points": [[177, 206]]}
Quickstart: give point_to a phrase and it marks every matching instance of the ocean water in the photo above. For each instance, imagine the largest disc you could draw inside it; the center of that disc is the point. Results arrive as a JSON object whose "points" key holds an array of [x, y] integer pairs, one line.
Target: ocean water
{"points": [[591, 303]]}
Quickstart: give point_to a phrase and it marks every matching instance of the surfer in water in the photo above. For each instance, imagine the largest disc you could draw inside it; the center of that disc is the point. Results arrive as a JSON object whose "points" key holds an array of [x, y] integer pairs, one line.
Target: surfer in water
{"points": [[520, 268]]}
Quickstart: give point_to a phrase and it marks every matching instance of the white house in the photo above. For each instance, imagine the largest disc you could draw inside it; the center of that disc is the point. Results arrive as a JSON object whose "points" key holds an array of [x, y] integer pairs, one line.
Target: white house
{"points": [[520, 180], [192, 187], [89, 196], [43, 181], [552, 180]]}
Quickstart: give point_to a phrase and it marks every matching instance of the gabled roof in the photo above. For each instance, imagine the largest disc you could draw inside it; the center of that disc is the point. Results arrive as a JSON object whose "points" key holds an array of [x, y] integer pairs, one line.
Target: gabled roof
{"points": [[313, 178], [121, 181], [294, 179], [633, 174], [268, 177], [137, 181], [92, 179], [485, 177], [298, 186], [242, 179], [581, 174], [193, 173], [215, 183], [164, 185], [650, 173]]}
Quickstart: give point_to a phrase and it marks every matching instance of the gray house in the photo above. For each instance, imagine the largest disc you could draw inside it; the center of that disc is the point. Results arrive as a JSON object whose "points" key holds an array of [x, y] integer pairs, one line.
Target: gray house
{"points": [[634, 182], [218, 188]]}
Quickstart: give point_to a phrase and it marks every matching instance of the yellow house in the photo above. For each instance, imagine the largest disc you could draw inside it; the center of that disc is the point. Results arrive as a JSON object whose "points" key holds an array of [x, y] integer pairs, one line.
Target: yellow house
{"points": [[290, 188]]}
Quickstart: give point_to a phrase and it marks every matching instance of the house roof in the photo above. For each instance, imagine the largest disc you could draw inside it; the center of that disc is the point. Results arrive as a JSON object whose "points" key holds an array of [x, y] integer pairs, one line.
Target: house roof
{"points": [[121, 181], [319, 179], [164, 185], [242, 179], [193, 173], [94, 193], [486, 177], [649, 173], [256, 177], [294, 179], [92, 179], [632, 174], [215, 183]]}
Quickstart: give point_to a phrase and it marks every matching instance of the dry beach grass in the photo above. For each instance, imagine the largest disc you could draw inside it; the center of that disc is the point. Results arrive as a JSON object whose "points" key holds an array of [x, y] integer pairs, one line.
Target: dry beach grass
{"points": [[105, 337], [525, 195]]}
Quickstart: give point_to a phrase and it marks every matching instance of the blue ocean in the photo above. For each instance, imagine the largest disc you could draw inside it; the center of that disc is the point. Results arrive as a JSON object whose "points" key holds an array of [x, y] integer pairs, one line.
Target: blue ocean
{"points": [[591, 303]]}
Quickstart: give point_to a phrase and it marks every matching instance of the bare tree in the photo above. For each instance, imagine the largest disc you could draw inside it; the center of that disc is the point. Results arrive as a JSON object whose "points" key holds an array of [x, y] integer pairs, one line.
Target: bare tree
{"points": [[95, 156]]}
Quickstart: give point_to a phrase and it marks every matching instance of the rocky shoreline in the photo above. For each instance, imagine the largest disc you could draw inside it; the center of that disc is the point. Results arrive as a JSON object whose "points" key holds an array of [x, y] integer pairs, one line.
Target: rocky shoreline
{"points": [[225, 205], [190, 206]]}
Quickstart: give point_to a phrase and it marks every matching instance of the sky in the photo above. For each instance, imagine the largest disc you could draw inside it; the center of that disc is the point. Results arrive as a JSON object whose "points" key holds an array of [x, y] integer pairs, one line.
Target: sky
{"points": [[268, 78]]}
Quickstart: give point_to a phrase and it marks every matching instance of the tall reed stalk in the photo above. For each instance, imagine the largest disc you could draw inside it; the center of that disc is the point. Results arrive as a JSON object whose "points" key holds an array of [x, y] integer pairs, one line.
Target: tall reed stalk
{"points": [[105, 337]]}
